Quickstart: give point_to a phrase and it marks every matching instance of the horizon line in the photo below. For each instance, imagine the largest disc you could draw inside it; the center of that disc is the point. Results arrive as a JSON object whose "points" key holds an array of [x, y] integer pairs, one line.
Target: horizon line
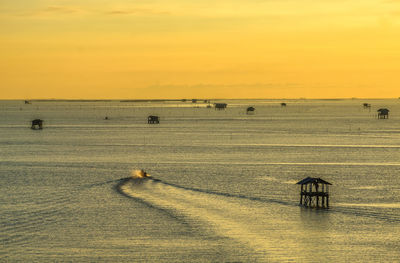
{"points": [[187, 99]]}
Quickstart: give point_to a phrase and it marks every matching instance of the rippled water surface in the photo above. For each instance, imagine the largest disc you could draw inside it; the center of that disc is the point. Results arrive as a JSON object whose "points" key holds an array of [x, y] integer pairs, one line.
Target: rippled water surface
{"points": [[222, 185]]}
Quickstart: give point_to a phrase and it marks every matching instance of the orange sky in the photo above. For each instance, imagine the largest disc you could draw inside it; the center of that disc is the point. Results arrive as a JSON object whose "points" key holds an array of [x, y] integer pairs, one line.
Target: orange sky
{"points": [[213, 49]]}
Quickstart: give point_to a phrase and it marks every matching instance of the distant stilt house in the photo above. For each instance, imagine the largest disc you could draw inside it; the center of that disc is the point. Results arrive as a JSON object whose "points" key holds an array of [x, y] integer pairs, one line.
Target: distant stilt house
{"points": [[194, 101], [314, 192], [220, 106], [27, 102], [153, 119], [283, 104], [367, 106], [37, 124], [250, 110], [383, 113], [183, 100]]}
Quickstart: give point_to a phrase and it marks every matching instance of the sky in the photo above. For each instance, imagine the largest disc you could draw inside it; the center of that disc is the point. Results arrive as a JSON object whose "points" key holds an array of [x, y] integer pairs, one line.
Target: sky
{"points": [[152, 49]]}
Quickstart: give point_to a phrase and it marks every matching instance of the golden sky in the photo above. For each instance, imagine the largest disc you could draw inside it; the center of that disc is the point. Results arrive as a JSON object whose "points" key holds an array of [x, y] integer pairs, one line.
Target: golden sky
{"points": [[199, 49]]}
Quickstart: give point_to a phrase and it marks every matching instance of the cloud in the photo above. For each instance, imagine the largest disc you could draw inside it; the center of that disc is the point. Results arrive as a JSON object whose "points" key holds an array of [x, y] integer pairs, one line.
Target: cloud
{"points": [[136, 11], [60, 9], [277, 90], [52, 10]]}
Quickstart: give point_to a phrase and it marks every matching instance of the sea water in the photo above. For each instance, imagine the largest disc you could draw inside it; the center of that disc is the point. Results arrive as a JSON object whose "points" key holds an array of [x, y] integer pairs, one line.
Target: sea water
{"points": [[222, 186]]}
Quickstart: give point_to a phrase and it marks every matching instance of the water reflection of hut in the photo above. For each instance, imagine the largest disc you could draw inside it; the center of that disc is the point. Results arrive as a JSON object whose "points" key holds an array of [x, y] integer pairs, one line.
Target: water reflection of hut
{"points": [[383, 113], [220, 106], [37, 124], [153, 119], [283, 104], [250, 110], [314, 190]]}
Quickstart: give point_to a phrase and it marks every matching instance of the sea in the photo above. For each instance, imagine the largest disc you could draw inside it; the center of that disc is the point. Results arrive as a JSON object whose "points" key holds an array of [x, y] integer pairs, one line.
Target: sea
{"points": [[222, 184]]}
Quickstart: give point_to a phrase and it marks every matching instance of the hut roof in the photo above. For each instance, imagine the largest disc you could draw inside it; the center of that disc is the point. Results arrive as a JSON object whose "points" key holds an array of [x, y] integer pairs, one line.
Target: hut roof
{"points": [[309, 180], [383, 110]]}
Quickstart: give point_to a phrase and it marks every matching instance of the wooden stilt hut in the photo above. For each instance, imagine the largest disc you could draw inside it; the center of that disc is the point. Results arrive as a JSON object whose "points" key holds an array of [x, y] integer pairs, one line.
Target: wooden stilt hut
{"points": [[37, 124], [153, 119], [250, 110], [314, 192], [383, 113], [366, 105], [220, 106]]}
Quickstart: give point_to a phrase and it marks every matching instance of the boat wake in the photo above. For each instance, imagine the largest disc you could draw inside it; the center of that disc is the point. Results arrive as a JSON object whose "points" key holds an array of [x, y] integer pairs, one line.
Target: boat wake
{"points": [[237, 217], [268, 226]]}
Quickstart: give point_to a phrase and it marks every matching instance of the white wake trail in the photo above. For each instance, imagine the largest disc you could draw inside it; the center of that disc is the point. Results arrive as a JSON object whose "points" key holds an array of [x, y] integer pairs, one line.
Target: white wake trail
{"points": [[253, 224]]}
